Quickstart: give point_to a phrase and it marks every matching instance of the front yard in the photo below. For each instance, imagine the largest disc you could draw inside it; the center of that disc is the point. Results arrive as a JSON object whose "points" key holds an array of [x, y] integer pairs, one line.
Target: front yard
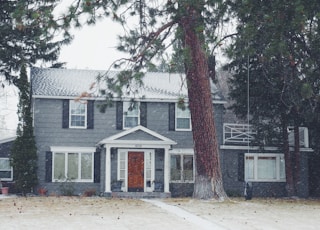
{"points": [[103, 213]]}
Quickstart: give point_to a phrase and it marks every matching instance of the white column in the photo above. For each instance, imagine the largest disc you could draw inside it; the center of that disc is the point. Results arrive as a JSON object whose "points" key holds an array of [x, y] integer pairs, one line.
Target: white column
{"points": [[108, 169], [166, 170]]}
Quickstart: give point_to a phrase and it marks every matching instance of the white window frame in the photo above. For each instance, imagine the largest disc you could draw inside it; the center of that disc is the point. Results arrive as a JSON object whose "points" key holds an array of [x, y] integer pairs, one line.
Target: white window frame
{"points": [[76, 150], [126, 105], [6, 170], [278, 158], [182, 153], [177, 117], [71, 103]]}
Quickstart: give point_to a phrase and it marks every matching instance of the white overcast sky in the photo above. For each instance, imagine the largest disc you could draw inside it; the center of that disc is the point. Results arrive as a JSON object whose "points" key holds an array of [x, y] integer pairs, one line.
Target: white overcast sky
{"points": [[93, 47]]}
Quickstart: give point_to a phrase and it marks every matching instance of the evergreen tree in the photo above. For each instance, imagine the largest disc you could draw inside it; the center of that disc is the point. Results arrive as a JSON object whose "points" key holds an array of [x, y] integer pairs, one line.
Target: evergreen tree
{"points": [[28, 34], [271, 55], [24, 151]]}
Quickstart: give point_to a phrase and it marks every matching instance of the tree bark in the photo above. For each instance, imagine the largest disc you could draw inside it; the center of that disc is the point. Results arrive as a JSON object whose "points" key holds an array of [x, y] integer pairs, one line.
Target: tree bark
{"points": [[296, 175], [208, 180], [287, 158]]}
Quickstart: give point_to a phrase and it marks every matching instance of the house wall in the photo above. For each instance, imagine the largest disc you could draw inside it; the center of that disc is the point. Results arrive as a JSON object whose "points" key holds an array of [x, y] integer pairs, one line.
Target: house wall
{"points": [[233, 177], [5, 149], [48, 131]]}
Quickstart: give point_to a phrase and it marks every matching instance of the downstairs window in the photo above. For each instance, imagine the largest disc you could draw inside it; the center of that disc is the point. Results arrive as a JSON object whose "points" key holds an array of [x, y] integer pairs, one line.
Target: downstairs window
{"points": [[265, 167], [6, 171], [73, 166], [182, 168]]}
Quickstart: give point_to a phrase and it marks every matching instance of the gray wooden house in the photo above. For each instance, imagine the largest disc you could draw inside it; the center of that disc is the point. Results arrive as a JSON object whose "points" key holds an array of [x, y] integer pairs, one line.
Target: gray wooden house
{"points": [[141, 147]]}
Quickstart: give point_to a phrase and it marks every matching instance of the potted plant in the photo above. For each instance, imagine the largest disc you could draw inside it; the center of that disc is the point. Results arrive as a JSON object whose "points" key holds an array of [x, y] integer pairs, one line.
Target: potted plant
{"points": [[42, 191], [116, 186], [4, 189], [158, 186]]}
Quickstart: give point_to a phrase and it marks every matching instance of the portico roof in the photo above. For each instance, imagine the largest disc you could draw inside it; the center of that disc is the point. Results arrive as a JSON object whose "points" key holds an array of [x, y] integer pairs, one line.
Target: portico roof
{"points": [[138, 137]]}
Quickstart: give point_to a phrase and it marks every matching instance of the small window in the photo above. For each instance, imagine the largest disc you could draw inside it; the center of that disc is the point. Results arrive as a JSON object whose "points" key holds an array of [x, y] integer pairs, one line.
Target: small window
{"points": [[183, 118], [73, 166], [131, 114], [78, 115], [6, 171], [264, 167], [182, 168]]}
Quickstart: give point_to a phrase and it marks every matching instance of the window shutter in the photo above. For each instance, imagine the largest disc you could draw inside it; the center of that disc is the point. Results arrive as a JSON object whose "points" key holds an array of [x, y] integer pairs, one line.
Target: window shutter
{"points": [[119, 115], [241, 167], [96, 171], [48, 167], [65, 114], [172, 118], [90, 114], [143, 114]]}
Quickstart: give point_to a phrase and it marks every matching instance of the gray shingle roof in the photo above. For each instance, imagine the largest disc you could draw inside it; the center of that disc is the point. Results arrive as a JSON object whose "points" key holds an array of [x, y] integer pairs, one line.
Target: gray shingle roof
{"points": [[51, 82]]}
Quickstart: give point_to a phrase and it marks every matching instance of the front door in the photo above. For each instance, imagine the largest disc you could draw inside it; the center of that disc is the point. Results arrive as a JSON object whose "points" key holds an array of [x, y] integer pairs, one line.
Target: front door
{"points": [[135, 171]]}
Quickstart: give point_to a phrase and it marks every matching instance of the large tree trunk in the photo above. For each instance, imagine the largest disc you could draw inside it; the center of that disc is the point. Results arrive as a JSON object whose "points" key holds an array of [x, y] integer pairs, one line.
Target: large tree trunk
{"points": [[287, 158], [296, 175], [208, 180]]}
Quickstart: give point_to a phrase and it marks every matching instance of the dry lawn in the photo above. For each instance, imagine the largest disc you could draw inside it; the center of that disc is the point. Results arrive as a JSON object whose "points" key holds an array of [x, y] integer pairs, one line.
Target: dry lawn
{"points": [[102, 213]]}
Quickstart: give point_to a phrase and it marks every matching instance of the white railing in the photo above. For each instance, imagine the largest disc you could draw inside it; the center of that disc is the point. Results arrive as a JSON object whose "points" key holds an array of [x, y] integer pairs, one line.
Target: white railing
{"points": [[238, 133], [241, 134]]}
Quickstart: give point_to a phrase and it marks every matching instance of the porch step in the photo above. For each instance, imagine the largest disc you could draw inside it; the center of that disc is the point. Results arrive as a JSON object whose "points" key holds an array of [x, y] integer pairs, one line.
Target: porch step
{"points": [[139, 195]]}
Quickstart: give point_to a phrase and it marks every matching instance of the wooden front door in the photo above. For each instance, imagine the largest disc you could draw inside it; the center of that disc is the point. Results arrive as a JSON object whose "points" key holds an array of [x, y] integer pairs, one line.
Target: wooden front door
{"points": [[135, 171]]}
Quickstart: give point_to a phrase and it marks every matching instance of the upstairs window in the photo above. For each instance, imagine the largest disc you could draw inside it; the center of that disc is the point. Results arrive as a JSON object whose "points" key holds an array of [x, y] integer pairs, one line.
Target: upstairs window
{"points": [[78, 115], [183, 118], [6, 171], [265, 167], [131, 114]]}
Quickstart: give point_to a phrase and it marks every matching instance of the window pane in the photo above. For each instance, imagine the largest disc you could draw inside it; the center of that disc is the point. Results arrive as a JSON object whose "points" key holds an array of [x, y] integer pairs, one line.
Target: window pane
{"points": [[77, 121], [267, 168], [5, 174], [183, 123], [73, 166], [188, 168], [86, 166], [5, 164], [59, 166], [175, 167], [130, 121], [282, 168], [249, 168]]}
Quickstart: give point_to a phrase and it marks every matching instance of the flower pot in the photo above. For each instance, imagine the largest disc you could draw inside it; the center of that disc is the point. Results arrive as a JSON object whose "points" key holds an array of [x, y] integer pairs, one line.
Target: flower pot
{"points": [[5, 191], [116, 186], [42, 191]]}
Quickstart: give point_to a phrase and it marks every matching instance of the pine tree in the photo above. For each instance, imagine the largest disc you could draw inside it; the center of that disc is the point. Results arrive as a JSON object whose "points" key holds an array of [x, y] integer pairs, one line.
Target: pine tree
{"points": [[24, 151], [28, 34], [272, 55]]}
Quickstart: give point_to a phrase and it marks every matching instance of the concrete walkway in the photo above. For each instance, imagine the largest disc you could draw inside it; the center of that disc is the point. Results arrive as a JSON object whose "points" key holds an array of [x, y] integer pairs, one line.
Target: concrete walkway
{"points": [[202, 223]]}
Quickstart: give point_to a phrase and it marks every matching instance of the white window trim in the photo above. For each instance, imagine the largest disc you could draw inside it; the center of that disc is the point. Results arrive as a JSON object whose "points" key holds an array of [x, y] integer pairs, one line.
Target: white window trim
{"points": [[85, 116], [11, 169], [124, 114], [255, 173], [67, 150], [176, 117], [182, 152]]}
